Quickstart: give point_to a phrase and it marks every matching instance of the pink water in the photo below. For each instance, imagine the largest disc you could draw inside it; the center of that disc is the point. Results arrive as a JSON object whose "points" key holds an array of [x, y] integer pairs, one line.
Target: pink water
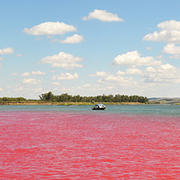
{"points": [[58, 145]]}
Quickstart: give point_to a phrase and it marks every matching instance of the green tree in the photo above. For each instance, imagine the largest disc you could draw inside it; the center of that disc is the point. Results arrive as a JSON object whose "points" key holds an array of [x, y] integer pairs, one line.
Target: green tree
{"points": [[47, 96]]}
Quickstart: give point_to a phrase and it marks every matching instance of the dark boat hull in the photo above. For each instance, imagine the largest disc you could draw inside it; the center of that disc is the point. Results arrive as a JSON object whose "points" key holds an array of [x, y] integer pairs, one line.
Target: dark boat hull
{"points": [[98, 108]]}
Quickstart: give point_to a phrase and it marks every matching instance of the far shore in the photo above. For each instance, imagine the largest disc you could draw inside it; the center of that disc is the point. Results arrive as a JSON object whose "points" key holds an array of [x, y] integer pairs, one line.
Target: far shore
{"points": [[68, 103]]}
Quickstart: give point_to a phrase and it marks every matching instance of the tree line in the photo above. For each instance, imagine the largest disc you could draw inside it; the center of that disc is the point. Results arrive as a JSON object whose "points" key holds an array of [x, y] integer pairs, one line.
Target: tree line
{"points": [[100, 98], [12, 99], [50, 97]]}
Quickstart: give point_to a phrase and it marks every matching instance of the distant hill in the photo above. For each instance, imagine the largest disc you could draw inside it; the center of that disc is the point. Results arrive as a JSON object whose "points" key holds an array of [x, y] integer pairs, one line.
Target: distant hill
{"points": [[164, 100]]}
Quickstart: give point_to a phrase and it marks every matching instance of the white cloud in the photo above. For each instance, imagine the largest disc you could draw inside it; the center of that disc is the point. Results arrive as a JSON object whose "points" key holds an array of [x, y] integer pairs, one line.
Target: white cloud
{"points": [[1, 58], [169, 32], [165, 73], [38, 73], [99, 74], [63, 60], [66, 76], [1, 89], [175, 56], [172, 49], [6, 51], [50, 28], [26, 74], [116, 78], [112, 78], [170, 25], [33, 73], [150, 71], [121, 73], [103, 15], [134, 71], [30, 81], [76, 38], [134, 59]]}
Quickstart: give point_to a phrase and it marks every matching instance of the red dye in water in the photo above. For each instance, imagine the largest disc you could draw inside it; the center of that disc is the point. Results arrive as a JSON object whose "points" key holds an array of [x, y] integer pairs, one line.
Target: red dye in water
{"points": [[57, 145]]}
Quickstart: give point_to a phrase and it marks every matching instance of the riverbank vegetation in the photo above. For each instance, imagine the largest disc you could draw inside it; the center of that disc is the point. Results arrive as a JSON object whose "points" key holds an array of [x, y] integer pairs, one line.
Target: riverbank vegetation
{"points": [[66, 99], [91, 99]]}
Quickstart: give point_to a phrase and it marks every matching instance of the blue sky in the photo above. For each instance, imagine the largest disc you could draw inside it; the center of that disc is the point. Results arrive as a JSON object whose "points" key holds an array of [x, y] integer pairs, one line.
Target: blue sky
{"points": [[90, 47]]}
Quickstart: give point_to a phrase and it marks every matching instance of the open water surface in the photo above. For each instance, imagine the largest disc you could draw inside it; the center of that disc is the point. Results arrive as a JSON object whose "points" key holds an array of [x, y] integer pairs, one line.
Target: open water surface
{"points": [[74, 142], [170, 110]]}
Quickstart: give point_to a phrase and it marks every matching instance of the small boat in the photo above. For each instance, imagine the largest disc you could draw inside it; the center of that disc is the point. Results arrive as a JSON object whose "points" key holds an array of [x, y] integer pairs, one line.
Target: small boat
{"points": [[99, 107]]}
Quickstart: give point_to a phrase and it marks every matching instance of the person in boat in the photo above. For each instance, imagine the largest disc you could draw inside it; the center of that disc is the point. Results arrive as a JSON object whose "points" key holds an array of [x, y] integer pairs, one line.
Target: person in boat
{"points": [[99, 107]]}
